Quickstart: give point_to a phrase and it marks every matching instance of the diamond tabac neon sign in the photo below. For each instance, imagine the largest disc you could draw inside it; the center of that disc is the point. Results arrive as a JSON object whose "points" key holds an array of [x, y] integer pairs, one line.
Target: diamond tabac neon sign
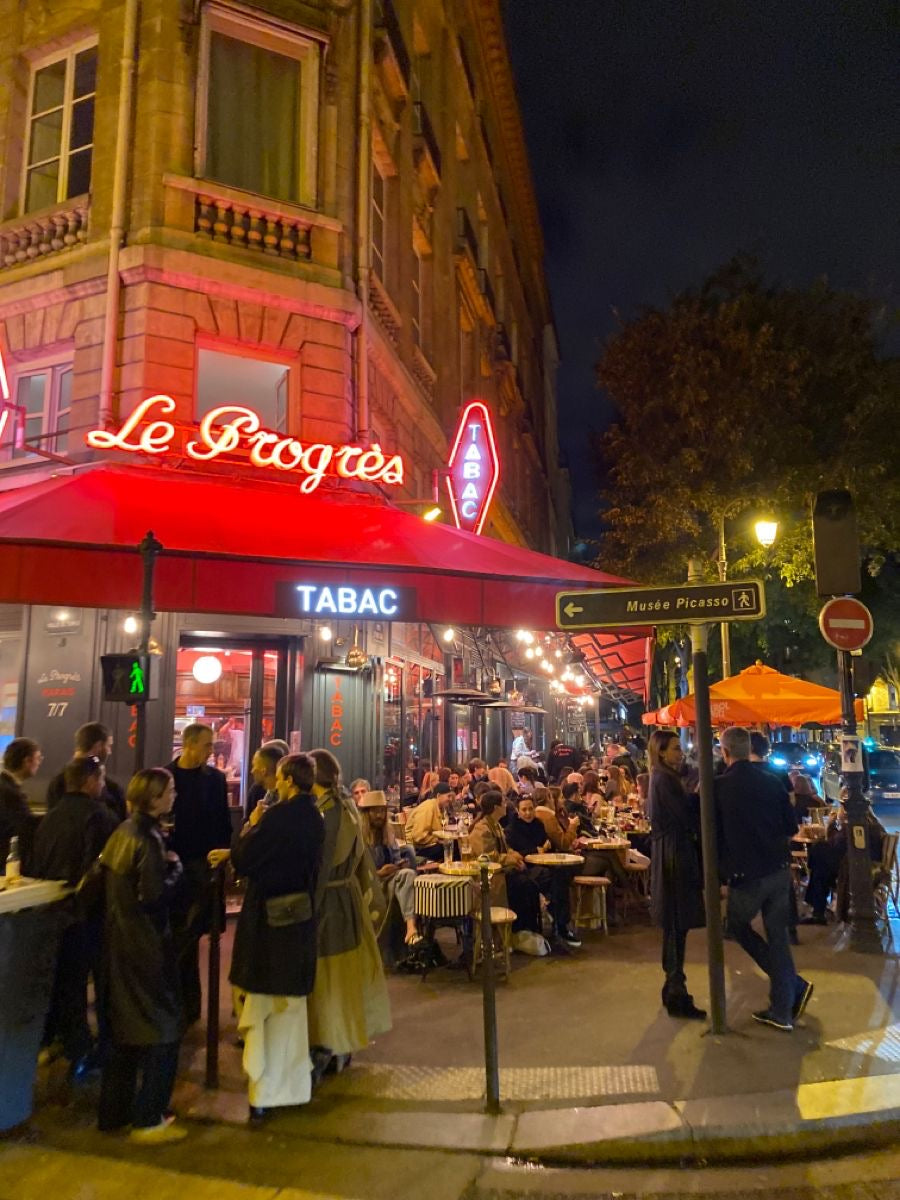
{"points": [[232, 430], [474, 468]]}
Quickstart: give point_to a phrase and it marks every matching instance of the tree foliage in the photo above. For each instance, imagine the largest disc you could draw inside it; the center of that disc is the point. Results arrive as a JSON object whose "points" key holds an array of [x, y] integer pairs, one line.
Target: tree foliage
{"points": [[738, 400]]}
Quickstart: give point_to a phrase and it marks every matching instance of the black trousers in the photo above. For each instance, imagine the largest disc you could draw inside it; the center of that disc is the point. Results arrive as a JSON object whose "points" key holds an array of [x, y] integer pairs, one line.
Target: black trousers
{"points": [[554, 883], [78, 958], [190, 921], [137, 1085], [674, 942]]}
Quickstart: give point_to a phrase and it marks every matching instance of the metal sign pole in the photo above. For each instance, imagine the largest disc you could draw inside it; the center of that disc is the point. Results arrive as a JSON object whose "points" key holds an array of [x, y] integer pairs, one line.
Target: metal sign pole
{"points": [[864, 934], [715, 947], [149, 549], [489, 996]]}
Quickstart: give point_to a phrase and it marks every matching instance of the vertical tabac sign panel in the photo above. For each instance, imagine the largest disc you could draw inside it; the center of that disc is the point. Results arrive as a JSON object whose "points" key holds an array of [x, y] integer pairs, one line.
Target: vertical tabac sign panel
{"points": [[474, 468]]}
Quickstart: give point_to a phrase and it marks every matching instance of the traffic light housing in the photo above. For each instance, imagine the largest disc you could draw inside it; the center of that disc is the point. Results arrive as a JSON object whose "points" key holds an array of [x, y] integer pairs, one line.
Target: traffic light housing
{"points": [[836, 545], [129, 678]]}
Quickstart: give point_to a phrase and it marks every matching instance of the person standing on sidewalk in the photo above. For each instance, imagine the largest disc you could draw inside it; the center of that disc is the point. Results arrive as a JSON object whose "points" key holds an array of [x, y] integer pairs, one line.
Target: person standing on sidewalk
{"points": [[755, 822], [676, 880], [91, 741], [140, 973], [202, 824]]}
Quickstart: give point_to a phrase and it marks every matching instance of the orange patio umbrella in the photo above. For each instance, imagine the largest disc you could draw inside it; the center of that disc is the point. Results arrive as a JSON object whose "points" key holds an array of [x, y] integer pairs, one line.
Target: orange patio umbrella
{"points": [[759, 695]]}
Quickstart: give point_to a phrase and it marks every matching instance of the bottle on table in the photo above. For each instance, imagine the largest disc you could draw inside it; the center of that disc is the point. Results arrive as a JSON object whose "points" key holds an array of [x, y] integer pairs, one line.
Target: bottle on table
{"points": [[13, 862]]}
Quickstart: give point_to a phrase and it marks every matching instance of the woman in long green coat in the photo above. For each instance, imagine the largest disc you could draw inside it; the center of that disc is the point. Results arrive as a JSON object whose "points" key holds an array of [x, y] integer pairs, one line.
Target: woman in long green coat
{"points": [[349, 1004]]}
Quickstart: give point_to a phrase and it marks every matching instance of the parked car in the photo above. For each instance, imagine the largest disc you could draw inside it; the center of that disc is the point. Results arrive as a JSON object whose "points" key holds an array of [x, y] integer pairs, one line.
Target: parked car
{"points": [[794, 756], [881, 775]]}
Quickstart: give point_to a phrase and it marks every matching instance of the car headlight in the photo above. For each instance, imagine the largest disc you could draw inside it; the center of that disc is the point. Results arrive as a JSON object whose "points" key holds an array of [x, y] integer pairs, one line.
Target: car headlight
{"points": [[778, 761], [811, 761]]}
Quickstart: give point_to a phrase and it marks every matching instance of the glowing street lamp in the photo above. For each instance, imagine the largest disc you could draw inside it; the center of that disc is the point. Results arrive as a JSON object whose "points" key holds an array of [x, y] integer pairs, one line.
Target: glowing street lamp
{"points": [[766, 532]]}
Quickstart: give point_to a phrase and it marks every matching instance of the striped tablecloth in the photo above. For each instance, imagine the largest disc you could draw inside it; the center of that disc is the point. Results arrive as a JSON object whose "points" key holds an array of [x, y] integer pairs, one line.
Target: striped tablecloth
{"points": [[443, 896]]}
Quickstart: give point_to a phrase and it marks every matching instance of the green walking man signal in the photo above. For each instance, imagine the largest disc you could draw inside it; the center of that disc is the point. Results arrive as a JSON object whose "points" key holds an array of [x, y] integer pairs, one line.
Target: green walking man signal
{"points": [[130, 678]]}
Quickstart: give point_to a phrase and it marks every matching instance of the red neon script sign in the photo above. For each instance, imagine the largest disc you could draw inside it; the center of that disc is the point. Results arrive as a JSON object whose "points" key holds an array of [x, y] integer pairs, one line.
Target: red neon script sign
{"points": [[474, 468], [228, 429]]}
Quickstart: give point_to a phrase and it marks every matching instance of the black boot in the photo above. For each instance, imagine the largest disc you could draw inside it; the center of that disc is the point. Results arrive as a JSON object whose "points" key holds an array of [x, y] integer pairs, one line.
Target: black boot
{"points": [[684, 1007]]}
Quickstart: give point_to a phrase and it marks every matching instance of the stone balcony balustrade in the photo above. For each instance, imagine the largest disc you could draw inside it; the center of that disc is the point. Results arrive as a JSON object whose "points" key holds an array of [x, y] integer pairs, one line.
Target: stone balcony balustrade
{"points": [[49, 231]]}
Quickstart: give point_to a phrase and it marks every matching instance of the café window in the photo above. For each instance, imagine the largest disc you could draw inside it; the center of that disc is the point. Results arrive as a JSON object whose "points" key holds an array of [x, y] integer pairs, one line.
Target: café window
{"points": [[231, 379], [39, 412], [258, 107], [60, 135]]}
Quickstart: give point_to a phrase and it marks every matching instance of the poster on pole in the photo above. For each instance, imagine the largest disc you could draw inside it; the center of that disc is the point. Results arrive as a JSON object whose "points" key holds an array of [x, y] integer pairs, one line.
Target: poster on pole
{"points": [[851, 755]]}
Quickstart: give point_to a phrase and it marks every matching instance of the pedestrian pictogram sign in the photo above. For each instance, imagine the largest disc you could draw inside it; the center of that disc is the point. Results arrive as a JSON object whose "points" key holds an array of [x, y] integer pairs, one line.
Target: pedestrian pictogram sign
{"points": [[846, 623], [129, 678]]}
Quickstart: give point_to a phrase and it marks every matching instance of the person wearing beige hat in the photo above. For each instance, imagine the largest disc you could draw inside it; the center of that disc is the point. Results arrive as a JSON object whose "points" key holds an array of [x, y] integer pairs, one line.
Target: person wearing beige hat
{"points": [[397, 880]]}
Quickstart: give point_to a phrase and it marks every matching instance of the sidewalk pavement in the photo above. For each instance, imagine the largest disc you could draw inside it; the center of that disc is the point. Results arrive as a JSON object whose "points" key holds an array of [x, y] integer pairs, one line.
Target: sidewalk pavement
{"points": [[592, 1068]]}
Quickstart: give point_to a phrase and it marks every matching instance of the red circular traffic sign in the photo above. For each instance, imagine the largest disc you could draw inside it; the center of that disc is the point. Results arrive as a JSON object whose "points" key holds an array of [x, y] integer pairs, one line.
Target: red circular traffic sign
{"points": [[846, 623]]}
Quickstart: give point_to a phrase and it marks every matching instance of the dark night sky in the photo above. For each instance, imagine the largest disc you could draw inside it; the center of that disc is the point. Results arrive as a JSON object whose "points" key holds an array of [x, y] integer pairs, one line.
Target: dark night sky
{"points": [[667, 135]]}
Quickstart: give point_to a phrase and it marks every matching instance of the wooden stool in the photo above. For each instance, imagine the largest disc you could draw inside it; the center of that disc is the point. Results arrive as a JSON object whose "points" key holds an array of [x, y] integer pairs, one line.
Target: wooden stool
{"points": [[593, 888], [502, 919]]}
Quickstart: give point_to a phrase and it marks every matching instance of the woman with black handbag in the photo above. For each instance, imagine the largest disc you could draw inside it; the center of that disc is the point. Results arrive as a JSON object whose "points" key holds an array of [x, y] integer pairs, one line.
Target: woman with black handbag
{"points": [[273, 966]]}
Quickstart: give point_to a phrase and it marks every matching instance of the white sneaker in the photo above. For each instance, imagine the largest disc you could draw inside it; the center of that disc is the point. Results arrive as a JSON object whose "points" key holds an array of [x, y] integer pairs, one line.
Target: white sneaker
{"points": [[154, 1135]]}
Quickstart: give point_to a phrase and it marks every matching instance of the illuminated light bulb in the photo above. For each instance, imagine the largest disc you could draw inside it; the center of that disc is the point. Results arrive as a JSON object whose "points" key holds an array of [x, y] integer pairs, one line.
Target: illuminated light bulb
{"points": [[431, 514], [207, 669], [529, 653], [521, 635], [449, 635], [529, 638], [325, 633], [766, 532], [130, 625], [558, 653]]}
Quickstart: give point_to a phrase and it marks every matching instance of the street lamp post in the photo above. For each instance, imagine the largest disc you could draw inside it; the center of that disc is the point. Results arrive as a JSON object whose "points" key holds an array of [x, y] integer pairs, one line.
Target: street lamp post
{"points": [[766, 531]]}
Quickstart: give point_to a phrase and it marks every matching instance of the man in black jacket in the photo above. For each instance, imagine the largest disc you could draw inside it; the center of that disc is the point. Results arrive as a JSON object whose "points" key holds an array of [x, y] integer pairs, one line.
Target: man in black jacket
{"points": [[755, 822], [92, 741], [21, 759], [202, 824], [69, 839]]}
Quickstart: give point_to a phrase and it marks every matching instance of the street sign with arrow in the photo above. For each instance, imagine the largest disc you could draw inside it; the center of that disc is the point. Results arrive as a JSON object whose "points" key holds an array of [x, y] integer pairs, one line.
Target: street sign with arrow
{"points": [[685, 603]]}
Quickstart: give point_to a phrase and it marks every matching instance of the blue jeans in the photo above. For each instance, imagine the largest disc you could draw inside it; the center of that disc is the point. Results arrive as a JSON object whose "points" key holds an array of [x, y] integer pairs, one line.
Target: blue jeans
{"points": [[772, 954]]}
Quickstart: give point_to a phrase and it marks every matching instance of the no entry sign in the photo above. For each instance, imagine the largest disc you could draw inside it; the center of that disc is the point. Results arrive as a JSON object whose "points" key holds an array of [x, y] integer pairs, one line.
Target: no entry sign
{"points": [[846, 623]]}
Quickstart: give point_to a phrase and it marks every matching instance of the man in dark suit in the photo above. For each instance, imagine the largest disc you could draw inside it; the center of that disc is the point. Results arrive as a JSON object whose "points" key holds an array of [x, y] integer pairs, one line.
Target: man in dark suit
{"points": [[202, 823], [93, 740], [21, 760], [755, 822]]}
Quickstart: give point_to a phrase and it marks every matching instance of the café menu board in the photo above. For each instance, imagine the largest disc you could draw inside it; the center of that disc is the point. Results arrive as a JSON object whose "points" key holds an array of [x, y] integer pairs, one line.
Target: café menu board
{"points": [[58, 684]]}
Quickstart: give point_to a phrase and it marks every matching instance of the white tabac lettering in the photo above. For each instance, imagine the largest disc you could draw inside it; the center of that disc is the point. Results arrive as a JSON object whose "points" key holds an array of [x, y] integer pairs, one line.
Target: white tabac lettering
{"points": [[325, 603], [470, 492], [471, 470], [472, 453], [348, 601], [233, 429]]}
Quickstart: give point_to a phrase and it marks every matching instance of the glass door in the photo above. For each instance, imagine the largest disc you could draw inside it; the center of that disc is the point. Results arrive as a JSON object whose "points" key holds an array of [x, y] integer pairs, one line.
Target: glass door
{"points": [[239, 689]]}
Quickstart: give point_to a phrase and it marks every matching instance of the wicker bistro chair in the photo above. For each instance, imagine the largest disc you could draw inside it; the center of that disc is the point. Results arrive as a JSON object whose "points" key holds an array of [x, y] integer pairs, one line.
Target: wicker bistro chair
{"points": [[589, 902], [884, 876], [501, 923]]}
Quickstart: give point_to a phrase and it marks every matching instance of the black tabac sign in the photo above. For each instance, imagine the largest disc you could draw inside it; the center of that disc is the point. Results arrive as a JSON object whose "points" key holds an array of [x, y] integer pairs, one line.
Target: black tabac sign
{"points": [[743, 600]]}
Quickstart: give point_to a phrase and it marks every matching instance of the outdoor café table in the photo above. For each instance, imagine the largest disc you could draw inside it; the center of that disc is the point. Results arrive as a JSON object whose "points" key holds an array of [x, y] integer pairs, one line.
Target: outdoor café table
{"points": [[555, 859], [446, 898]]}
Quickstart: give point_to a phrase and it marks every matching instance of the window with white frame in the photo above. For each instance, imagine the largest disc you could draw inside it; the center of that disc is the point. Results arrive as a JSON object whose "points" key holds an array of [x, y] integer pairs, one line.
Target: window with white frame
{"points": [[60, 139], [379, 222], [258, 106], [39, 415]]}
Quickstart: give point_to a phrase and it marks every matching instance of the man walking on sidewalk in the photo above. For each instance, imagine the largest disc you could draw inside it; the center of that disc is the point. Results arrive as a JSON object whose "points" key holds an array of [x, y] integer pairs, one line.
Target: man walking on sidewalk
{"points": [[755, 822]]}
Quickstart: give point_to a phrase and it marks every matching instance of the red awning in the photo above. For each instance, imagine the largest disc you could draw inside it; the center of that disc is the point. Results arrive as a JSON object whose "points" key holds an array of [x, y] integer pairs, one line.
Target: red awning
{"points": [[230, 545]]}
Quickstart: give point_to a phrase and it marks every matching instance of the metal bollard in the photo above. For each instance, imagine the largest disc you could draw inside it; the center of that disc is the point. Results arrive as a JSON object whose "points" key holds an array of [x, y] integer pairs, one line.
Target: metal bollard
{"points": [[217, 900], [489, 995]]}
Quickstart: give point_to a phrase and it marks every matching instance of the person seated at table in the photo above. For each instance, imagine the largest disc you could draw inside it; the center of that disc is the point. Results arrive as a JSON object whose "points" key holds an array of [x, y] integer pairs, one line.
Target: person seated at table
{"points": [[488, 838], [617, 786], [391, 862], [827, 861], [593, 784], [527, 779], [425, 822], [358, 789], [596, 862], [527, 835], [642, 784], [502, 779], [804, 794], [426, 789], [550, 810]]}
